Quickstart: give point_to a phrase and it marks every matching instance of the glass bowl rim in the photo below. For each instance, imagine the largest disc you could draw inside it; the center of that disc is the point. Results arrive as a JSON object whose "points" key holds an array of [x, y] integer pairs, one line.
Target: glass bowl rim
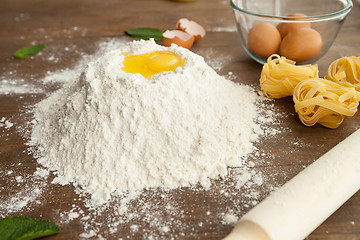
{"points": [[314, 18]]}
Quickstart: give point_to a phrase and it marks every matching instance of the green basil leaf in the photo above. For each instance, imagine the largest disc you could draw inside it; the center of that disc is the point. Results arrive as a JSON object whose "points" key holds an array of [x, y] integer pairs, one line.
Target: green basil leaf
{"points": [[146, 33], [24, 228], [29, 50]]}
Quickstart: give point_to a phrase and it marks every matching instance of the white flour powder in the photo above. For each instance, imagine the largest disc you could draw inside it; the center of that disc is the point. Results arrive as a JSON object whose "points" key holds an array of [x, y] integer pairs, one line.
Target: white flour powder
{"points": [[111, 131], [160, 213]]}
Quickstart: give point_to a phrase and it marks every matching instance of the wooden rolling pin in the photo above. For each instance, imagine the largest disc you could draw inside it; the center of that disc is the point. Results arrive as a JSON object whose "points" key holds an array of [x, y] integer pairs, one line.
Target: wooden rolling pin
{"points": [[297, 208]]}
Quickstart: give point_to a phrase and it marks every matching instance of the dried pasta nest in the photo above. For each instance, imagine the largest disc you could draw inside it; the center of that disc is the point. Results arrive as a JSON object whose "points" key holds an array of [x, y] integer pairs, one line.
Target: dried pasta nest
{"points": [[317, 100], [279, 76], [324, 101], [345, 71]]}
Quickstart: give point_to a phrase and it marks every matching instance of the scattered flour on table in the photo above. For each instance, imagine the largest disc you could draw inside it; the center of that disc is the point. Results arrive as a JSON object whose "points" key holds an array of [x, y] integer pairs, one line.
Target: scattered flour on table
{"points": [[29, 195], [68, 75], [17, 86], [10, 84], [5, 123], [111, 134], [230, 218], [214, 58], [223, 29]]}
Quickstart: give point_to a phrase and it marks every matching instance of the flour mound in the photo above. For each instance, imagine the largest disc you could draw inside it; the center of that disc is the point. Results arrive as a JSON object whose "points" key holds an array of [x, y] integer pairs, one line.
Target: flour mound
{"points": [[110, 131]]}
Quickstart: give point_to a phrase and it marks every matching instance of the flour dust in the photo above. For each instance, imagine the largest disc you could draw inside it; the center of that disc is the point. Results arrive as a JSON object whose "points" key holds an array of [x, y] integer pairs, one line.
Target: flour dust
{"points": [[138, 151]]}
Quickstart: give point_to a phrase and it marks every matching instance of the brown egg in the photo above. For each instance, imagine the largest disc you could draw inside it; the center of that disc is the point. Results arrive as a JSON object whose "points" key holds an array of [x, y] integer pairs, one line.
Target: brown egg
{"points": [[264, 39], [178, 37], [301, 44], [286, 27], [191, 28]]}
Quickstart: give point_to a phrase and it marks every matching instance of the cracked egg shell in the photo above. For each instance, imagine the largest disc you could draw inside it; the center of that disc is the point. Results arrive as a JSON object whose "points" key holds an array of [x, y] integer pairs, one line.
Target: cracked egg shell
{"points": [[179, 38], [191, 28]]}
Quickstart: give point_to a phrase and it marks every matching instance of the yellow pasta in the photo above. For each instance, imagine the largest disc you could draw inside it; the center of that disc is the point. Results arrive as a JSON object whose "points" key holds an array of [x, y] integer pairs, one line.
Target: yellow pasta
{"points": [[345, 71], [325, 102], [279, 76]]}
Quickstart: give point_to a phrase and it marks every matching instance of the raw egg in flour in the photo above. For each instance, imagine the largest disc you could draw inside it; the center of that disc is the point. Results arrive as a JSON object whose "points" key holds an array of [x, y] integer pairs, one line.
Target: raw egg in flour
{"points": [[149, 64], [264, 39]]}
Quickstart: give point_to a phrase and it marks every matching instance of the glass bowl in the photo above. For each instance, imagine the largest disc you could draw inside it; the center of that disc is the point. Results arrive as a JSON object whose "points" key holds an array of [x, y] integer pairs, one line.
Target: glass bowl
{"points": [[324, 16]]}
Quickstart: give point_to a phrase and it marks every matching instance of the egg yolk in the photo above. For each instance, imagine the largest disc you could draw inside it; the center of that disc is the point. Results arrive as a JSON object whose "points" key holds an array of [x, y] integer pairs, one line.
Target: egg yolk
{"points": [[149, 64]]}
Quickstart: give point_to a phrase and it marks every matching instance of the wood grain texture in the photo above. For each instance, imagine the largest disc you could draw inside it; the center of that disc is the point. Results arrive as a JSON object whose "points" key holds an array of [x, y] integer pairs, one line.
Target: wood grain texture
{"points": [[79, 25]]}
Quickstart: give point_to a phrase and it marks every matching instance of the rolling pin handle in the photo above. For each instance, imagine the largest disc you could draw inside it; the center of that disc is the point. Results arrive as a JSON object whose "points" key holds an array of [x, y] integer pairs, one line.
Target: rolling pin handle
{"points": [[247, 230]]}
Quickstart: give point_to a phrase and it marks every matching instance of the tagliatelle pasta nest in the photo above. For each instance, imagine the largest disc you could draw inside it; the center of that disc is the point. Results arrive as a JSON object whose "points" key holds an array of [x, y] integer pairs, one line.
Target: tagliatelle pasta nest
{"points": [[279, 76], [324, 101], [345, 71]]}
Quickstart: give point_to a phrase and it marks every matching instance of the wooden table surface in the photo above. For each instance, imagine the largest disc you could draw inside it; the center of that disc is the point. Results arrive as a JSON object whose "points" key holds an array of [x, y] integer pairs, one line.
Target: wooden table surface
{"points": [[71, 28]]}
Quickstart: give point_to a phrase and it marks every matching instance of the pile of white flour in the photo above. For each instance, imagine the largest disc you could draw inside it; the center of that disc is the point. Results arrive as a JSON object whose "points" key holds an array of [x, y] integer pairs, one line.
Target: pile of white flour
{"points": [[112, 132]]}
